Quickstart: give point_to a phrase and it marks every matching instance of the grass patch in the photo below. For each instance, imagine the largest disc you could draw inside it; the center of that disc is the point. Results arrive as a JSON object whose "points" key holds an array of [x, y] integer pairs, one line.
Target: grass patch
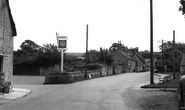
{"points": [[174, 83]]}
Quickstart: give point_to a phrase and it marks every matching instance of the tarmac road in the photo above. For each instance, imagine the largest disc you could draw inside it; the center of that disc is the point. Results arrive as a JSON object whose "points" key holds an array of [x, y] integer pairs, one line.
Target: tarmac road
{"points": [[106, 93]]}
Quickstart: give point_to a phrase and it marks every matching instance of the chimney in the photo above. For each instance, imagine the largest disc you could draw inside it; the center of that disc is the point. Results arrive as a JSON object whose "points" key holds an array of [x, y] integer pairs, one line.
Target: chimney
{"points": [[119, 46], [136, 50]]}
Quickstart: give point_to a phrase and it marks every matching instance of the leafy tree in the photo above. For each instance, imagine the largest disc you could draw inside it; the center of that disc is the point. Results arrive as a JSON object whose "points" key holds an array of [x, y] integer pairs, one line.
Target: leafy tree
{"points": [[182, 7], [114, 46], [105, 57], [29, 46], [145, 54], [34, 55], [49, 55], [28, 53], [94, 56], [168, 54]]}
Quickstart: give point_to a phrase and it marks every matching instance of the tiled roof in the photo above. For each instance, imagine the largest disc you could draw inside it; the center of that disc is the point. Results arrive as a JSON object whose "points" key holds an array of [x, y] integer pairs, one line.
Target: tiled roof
{"points": [[5, 4], [14, 31], [140, 57], [128, 56]]}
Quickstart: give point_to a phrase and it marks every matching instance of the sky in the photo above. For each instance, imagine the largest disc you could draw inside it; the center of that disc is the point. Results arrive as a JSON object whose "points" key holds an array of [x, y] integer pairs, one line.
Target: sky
{"points": [[109, 21]]}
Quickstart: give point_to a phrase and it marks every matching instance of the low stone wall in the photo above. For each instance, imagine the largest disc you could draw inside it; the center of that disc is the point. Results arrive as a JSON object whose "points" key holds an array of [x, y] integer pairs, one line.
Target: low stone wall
{"points": [[103, 70], [109, 70], [69, 77], [118, 69]]}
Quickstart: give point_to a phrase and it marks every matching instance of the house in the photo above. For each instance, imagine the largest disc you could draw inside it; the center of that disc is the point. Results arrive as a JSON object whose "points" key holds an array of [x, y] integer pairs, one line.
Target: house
{"points": [[182, 64], [148, 63], [7, 32], [140, 61], [125, 60]]}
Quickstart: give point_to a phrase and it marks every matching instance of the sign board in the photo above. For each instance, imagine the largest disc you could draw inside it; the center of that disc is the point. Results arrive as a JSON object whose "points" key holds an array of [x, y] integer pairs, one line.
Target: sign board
{"points": [[62, 42], [62, 45]]}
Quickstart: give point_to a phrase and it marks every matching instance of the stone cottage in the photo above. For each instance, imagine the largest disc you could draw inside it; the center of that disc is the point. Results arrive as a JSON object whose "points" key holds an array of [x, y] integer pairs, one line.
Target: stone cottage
{"points": [[140, 61], [7, 32], [125, 60]]}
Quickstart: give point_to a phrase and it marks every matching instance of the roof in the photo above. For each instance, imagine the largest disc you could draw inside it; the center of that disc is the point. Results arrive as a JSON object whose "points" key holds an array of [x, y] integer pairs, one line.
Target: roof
{"points": [[128, 56], [6, 4], [140, 57], [183, 60]]}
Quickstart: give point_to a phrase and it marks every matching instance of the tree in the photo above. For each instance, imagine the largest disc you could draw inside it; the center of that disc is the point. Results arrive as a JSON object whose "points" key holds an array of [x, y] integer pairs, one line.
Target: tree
{"points": [[182, 7], [29, 46], [168, 54], [94, 56], [49, 55], [145, 54], [105, 57], [31, 54], [28, 53], [114, 46]]}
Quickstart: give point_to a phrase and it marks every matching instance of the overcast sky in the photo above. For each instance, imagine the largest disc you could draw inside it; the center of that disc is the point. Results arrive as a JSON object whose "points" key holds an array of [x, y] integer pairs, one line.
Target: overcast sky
{"points": [[108, 20]]}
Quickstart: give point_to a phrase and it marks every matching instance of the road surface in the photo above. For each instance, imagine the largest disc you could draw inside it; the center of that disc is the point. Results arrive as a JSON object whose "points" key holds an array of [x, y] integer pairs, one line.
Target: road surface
{"points": [[105, 93]]}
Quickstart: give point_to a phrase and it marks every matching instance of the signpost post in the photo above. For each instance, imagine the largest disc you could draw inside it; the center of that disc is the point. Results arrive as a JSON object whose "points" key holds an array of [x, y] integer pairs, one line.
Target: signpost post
{"points": [[62, 45]]}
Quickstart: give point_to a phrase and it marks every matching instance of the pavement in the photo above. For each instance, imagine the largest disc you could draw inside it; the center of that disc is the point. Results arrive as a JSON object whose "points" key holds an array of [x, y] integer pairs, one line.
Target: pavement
{"points": [[16, 93]]}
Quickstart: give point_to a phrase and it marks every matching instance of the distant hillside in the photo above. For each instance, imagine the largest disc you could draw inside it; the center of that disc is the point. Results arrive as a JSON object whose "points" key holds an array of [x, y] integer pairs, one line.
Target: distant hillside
{"points": [[75, 54]]}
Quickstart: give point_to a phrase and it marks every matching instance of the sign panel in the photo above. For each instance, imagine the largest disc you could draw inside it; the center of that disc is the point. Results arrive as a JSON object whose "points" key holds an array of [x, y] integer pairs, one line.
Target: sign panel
{"points": [[62, 42]]}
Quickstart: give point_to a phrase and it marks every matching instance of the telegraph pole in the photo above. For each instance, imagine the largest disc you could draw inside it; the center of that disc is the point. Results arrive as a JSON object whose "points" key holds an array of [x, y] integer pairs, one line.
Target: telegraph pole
{"points": [[173, 54], [86, 54], [162, 55], [151, 44]]}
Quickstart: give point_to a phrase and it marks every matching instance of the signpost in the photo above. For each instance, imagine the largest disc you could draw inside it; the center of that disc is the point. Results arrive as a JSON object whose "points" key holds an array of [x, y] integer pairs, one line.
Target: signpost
{"points": [[62, 45]]}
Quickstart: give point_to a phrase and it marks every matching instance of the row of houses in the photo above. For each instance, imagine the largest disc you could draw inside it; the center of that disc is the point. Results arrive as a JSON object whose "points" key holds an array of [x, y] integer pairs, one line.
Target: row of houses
{"points": [[130, 61]]}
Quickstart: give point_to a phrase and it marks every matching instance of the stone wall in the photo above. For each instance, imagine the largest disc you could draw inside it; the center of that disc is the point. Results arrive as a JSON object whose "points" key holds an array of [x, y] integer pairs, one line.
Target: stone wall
{"points": [[6, 42], [118, 69], [109, 70], [69, 77], [103, 70]]}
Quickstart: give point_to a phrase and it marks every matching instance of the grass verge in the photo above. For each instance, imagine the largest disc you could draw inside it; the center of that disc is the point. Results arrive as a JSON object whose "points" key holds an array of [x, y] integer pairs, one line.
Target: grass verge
{"points": [[174, 83]]}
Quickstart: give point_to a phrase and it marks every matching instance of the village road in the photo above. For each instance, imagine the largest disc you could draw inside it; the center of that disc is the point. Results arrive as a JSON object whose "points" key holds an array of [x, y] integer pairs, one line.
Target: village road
{"points": [[106, 93]]}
